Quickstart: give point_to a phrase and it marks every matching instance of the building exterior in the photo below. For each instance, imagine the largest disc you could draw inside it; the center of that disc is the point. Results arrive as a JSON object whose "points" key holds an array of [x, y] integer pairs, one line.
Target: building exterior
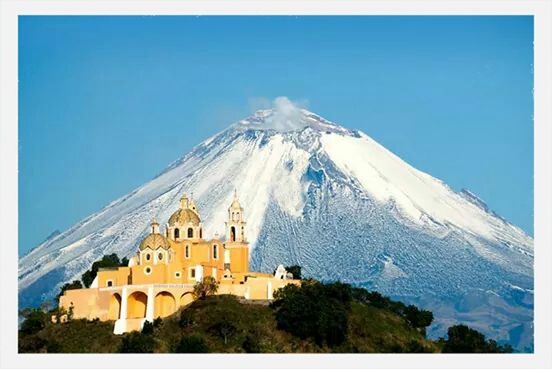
{"points": [[160, 278]]}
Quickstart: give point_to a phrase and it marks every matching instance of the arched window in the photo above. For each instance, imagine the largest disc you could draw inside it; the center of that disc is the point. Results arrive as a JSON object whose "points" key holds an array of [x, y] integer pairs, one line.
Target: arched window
{"points": [[148, 257], [232, 233], [200, 233], [160, 256], [215, 252], [190, 233], [176, 233]]}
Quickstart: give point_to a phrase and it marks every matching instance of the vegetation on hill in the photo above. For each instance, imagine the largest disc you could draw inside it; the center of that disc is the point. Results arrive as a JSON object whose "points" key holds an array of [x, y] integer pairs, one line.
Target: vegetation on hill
{"points": [[311, 317]]}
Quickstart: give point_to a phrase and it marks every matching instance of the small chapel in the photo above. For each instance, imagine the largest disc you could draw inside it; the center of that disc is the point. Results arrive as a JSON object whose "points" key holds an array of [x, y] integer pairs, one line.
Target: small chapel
{"points": [[160, 277]]}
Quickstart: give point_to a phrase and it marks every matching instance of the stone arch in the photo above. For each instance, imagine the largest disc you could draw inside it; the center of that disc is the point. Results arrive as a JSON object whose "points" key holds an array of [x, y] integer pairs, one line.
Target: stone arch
{"points": [[114, 312], [186, 299], [137, 305], [165, 304]]}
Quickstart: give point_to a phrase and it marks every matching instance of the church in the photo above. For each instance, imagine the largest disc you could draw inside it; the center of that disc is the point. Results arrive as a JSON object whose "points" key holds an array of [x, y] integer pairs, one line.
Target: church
{"points": [[160, 277]]}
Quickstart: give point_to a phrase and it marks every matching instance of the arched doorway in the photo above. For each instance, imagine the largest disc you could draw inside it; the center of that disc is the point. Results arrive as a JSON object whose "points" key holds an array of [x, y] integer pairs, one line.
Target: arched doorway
{"points": [[186, 299], [114, 312], [137, 304], [165, 304]]}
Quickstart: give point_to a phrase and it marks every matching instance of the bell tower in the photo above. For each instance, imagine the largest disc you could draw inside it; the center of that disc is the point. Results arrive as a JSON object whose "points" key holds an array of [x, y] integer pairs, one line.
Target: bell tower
{"points": [[236, 249], [235, 226]]}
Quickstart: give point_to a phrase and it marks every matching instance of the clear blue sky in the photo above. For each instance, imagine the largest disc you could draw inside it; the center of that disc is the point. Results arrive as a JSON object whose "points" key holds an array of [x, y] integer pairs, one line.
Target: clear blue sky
{"points": [[105, 103]]}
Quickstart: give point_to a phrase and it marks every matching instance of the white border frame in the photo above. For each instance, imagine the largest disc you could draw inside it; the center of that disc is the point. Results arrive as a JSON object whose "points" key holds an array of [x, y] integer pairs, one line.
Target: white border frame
{"points": [[10, 9]]}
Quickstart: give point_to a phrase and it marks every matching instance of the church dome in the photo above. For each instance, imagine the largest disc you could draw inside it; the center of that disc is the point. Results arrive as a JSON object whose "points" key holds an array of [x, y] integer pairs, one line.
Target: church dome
{"points": [[184, 216], [153, 241]]}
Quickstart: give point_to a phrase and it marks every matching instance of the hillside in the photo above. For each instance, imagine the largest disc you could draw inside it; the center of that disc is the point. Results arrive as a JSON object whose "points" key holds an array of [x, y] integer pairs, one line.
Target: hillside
{"points": [[370, 330]]}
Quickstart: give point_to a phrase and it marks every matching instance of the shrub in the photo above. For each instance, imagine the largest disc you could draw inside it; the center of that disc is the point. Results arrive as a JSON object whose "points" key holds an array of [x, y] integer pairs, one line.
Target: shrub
{"points": [[136, 342], [192, 344], [34, 321], [147, 328], [186, 318], [207, 287], [251, 344]]}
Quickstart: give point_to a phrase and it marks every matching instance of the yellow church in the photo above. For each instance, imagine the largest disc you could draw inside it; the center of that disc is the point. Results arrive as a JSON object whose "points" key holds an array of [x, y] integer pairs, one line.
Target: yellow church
{"points": [[160, 277]]}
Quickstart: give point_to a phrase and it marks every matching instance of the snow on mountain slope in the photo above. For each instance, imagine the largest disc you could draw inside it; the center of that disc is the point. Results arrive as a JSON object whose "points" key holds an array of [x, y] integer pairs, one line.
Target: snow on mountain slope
{"points": [[334, 201]]}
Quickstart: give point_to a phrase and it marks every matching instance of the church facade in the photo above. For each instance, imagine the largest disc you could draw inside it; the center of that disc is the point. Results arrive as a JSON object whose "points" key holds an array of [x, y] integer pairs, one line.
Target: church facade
{"points": [[160, 277]]}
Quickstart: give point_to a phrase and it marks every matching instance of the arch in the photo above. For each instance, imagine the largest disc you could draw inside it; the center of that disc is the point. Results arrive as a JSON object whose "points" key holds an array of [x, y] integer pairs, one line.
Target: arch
{"points": [[137, 304], [232, 233], [176, 233], [164, 304], [186, 299], [114, 312], [190, 233]]}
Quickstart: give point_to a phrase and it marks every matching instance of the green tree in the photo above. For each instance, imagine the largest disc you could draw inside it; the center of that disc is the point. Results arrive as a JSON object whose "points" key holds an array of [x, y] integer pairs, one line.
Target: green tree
{"points": [[315, 310], [207, 287], [107, 261], [418, 318], [295, 270], [34, 321], [191, 344], [74, 285], [462, 339]]}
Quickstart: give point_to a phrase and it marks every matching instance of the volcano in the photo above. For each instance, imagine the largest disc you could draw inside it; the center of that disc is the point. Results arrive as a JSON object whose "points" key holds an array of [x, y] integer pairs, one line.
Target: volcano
{"points": [[337, 203]]}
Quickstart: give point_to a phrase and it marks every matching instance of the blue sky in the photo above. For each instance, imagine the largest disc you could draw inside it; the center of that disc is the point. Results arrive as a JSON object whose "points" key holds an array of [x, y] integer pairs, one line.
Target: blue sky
{"points": [[105, 103]]}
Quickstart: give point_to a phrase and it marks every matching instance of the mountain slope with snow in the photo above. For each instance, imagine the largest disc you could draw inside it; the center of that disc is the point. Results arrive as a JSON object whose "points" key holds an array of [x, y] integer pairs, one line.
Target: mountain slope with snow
{"points": [[334, 201]]}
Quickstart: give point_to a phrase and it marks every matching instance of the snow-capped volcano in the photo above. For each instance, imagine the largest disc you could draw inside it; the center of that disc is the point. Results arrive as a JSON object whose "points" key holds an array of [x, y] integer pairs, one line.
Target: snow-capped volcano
{"points": [[335, 202]]}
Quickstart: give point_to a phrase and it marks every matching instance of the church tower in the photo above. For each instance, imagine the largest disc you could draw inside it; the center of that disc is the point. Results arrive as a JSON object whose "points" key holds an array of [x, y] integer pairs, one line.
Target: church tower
{"points": [[235, 226], [236, 247]]}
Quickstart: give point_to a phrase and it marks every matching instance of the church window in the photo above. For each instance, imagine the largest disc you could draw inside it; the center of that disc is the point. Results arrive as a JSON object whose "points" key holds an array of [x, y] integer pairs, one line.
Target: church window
{"points": [[147, 270], [215, 252], [176, 233], [109, 283], [200, 233], [177, 275], [192, 273], [187, 251], [190, 233], [232, 233], [160, 256], [148, 257]]}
